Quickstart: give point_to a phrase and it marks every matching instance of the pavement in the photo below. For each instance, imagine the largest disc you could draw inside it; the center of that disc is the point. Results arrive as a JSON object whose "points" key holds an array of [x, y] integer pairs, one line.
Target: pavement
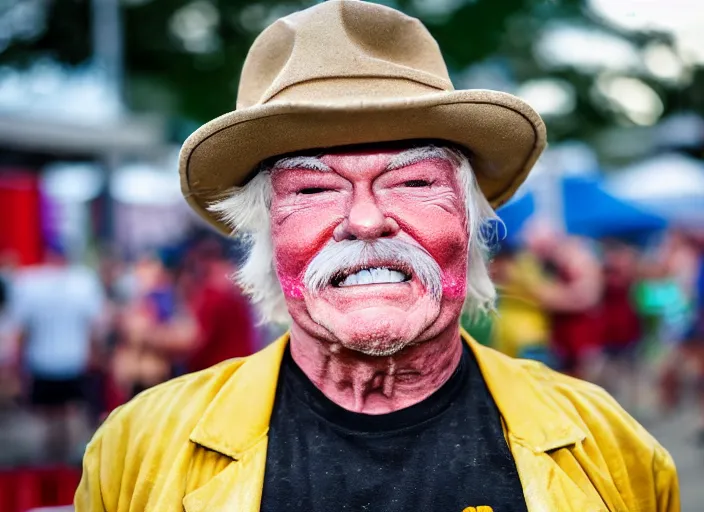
{"points": [[677, 433]]}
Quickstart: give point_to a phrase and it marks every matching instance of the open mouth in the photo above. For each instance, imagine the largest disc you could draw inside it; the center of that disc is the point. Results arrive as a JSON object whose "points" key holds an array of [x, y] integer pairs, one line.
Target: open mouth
{"points": [[371, 275]]}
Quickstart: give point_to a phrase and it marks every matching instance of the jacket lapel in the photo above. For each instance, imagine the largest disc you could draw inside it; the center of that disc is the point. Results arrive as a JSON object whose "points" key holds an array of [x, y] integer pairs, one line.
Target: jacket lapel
{"points": [[535, 426], [546, 487], [236, 425], [237, 488]]}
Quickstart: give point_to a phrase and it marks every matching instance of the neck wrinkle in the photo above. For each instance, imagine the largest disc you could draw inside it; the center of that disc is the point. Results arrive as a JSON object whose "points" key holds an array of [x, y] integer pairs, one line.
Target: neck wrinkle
{"points": [[377, 385]]}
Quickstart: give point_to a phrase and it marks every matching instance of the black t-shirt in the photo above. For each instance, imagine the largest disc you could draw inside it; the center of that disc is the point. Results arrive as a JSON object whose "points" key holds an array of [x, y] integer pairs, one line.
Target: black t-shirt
{"points": [[444, 454]]}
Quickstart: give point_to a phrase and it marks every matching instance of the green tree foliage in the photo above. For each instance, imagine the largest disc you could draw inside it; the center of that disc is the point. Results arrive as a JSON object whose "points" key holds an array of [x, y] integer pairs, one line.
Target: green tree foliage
{"points": [[183, 57]]}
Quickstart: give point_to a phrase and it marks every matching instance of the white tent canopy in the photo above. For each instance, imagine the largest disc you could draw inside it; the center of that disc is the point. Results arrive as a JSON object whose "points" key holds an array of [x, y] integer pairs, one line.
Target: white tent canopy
{"points": [[670, 184], [48, 107], [77, 182], [142, 183]]}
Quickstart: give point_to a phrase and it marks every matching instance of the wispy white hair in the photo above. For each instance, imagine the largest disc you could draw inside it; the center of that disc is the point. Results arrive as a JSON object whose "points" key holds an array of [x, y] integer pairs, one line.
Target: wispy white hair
{"points": [[246, 210]]}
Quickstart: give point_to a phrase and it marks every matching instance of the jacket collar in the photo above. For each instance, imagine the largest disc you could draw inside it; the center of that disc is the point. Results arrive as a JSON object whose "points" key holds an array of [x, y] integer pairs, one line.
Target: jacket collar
{"points": [[530, 413], [238, 417]]}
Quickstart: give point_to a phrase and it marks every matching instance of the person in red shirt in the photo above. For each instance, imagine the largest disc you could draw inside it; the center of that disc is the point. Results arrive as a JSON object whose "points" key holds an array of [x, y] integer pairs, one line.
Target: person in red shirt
{"points": [[571, 296], [224, 317], [225, 323], [621, 323]]}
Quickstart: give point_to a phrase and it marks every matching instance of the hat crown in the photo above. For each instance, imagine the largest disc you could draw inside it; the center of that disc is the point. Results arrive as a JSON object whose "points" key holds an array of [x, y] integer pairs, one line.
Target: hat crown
{"points": [[345, 42]]}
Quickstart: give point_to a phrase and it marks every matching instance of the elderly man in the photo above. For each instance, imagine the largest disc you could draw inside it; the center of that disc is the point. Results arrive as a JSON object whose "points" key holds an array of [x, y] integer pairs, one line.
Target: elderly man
{"points": [[364, 181]]}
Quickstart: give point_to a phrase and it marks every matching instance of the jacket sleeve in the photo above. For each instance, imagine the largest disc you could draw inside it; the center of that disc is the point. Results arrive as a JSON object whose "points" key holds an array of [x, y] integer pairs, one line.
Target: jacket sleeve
{"points": [[666, 482], [89, 496]]}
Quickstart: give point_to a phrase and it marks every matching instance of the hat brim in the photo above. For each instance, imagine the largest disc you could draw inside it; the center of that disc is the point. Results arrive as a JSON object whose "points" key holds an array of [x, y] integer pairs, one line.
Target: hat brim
{"points": [[502, 133]]}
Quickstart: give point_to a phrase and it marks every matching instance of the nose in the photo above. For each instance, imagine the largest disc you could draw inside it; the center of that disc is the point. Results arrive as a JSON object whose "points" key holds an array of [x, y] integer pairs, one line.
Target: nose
{"points": [[365, 221]]}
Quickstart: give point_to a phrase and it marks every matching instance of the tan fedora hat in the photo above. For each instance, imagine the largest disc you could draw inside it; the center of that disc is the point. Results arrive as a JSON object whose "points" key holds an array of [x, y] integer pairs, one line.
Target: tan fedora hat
{"points": [[350, 72]]}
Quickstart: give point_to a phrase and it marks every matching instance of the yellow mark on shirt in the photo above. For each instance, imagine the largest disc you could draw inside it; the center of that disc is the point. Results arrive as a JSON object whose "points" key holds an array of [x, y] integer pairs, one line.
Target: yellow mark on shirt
{"points": [[481, 508]]}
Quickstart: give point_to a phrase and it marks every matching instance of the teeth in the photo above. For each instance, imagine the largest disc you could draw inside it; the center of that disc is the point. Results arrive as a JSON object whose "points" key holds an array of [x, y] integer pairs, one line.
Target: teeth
{"points": [[374, 276], [364, 277]]}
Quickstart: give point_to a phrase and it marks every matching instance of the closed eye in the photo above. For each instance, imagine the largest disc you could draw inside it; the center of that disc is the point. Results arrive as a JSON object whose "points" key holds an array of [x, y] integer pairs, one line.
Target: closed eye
{"points": [[313, 190], [416, 183]]}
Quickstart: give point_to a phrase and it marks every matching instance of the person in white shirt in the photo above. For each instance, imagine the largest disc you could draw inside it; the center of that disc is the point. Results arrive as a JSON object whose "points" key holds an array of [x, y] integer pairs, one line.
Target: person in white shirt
{"points": [[57, 307]]}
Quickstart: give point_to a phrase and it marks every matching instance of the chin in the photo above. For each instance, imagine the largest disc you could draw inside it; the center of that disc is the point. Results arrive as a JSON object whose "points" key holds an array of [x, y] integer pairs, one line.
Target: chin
{"points": [[380, 339], [377, 330], [379, 348]]}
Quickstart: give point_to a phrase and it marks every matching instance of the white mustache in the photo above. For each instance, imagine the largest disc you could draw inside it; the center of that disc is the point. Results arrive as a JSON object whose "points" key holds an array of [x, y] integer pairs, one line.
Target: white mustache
{"points": [[338, 257]]}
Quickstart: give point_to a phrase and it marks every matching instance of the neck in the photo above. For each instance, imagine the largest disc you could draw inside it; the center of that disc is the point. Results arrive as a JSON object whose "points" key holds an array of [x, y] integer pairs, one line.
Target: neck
{"points": [[377, 385]]}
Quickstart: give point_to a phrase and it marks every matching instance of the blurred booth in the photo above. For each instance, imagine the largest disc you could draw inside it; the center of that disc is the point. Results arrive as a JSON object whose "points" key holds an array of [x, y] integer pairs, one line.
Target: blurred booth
{"points": [[73, 160], [63, 134], [148, 207]]}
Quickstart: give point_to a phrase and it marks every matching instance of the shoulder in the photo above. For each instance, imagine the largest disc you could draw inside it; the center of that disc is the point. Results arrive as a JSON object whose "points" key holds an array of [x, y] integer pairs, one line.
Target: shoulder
{"points": [[172, 408], [588, 405], [161, 417], [608, 428], [146, 439]]}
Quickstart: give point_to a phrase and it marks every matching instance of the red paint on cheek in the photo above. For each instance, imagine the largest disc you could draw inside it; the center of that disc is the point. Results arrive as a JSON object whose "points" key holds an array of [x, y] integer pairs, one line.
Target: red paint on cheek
{"points": [[292, 260], [444, 246], [288, 270], [454, 287], [291, 286]]}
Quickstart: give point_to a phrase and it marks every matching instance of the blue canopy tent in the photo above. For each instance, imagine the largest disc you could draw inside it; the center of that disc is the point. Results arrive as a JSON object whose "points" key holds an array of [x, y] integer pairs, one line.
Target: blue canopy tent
{"points": [[593, 212], [589, 210], [514, 216]]}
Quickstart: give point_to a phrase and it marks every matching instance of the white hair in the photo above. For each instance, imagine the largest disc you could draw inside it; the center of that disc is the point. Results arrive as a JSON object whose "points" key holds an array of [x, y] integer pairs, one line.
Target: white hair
{"points": [[246, 210]]}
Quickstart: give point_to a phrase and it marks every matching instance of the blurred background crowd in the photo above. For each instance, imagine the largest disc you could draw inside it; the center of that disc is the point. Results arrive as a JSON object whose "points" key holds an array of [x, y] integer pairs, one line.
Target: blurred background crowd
{"points": [[109, 285]]}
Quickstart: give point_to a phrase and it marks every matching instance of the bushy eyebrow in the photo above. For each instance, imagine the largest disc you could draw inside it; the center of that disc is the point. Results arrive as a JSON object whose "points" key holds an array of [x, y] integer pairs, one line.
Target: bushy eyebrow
{"points": [[414, 155], [311, 163], [403, 159]]}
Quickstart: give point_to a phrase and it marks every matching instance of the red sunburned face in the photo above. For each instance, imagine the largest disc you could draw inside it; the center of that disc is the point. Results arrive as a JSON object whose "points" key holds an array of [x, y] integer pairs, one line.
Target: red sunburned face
{"points": [[357, 198]]}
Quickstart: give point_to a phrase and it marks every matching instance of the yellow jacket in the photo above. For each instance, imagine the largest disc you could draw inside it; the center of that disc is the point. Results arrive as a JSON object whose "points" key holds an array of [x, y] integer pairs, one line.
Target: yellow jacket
{"points": [[198, 443]]}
